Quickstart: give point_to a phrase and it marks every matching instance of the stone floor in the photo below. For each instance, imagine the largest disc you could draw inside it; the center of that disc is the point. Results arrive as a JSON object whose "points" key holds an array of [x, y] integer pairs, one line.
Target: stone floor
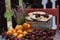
{"points": [[57, 36]]}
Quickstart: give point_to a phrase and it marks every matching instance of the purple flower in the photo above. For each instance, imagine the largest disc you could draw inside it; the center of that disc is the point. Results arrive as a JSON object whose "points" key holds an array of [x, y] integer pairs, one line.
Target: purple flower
{"points": [[15, 12]]}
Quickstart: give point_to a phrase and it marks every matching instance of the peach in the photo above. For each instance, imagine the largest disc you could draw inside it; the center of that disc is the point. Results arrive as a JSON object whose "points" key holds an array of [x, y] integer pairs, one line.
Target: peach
{"points": [[19, 27], [11, 28], [9, 32], [15, 34], [30, 30], [19, 32], [20, 36], [26, 26], [25, 32]]}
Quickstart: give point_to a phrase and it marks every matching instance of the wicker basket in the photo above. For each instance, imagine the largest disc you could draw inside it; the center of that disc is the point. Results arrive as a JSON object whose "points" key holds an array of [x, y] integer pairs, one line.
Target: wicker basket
{"points": [[43, 25]]}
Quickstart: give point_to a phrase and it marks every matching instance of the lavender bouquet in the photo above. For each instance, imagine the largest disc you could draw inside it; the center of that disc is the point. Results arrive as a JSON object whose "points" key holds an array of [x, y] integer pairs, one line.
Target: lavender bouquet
{"points": [[19, 14]]}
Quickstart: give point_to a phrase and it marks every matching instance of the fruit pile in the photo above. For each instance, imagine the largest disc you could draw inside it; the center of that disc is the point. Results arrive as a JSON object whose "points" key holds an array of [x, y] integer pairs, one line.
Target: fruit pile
{"points": [[39, 34], [26, 32], [18, 32]]}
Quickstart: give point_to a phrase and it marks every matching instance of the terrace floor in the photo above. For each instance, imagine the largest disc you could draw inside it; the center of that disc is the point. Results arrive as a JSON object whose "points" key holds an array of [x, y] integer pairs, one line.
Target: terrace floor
{"points": [[57, 36]]}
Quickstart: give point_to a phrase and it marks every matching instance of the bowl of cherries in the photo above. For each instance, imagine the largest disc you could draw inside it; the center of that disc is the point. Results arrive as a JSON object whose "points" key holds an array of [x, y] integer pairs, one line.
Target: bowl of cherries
{"points": [[39, 16]]}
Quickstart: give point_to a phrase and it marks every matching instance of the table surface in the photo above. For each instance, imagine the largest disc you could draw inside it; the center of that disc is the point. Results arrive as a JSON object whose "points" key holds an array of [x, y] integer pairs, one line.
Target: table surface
{"points": [[57, 36]]}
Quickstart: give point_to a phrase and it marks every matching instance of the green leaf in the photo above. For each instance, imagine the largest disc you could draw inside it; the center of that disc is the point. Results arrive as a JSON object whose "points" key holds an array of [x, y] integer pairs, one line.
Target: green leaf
{"points": [[21, 20], [20, 2], [8, 15]]}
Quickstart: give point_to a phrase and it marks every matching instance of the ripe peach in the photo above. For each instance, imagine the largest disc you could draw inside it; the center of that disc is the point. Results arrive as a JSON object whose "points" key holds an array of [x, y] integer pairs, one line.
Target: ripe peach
{"points": [[11, 28], [25, 32], [9, 32], [26, 26], [30, 30], [20, 36], [19, 27], [15, 34], [19, 32]]}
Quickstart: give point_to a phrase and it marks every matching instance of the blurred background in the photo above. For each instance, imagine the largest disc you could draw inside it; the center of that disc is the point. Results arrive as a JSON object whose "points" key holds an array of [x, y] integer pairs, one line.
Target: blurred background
{"points": [[29, 4]]}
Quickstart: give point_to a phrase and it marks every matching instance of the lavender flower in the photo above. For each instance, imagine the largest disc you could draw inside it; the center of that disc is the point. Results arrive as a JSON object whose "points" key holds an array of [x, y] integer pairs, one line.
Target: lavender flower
{"points": [[15, 12], [19, 14], [19, 11]]}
